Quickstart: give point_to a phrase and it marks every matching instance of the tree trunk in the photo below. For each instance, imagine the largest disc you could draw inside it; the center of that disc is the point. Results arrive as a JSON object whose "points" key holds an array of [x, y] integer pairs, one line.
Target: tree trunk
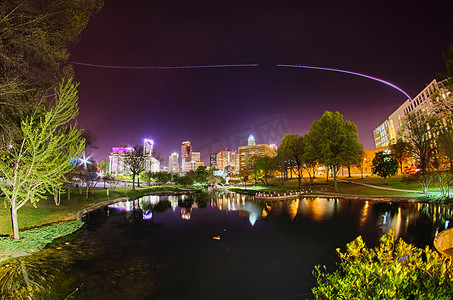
{"points": [[349, 171], [133, 181], [385, 180], [327, 174], [335, 186], [69, 192], [87, 190], [299, 178], [401, 167], [14, 224]]}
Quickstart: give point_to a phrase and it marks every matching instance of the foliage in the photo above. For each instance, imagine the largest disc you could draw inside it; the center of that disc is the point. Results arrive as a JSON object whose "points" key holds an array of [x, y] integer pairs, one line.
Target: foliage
{"points": [[38, 162], [389, 271], [266, 166], [410, 178], [416, 130], [281, 161], [34, 239], [201, 174], [161, 177], [445, 181], [334, 141], [310, 157], [293, 147], [445, 146], [384, 165], [184, 180], [34, 37], [401, 151]]}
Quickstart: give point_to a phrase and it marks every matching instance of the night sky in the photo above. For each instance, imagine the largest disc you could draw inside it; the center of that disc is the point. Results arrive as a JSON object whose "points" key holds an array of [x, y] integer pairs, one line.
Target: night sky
{"points": [[215, 108]]}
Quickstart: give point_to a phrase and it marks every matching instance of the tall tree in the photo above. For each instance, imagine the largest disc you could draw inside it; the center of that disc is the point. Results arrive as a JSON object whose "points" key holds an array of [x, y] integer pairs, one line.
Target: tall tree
{"points": [[310, 157], [281, 161], [445, 146], [135, 161], [34, 36], [294, 147], [401, 151], [418, 129], [37, 163], [334, 137], [384, 165], [266, 166]]}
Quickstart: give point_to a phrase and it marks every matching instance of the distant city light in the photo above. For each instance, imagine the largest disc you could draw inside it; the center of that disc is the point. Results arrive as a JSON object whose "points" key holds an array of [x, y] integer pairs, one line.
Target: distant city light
{"points": [[122, 149]]}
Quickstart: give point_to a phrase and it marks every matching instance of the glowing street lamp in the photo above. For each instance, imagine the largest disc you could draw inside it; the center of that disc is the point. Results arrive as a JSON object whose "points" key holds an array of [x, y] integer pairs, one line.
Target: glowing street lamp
{"points": [[84, 160]]}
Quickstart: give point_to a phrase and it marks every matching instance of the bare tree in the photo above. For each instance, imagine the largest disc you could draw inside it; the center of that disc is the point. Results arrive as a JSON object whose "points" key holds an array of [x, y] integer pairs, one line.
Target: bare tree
{"points": [[136, 163], [419, 129]]}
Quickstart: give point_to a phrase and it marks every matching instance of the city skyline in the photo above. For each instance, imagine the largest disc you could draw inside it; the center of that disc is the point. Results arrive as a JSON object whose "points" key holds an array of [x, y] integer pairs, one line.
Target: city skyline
{"points": [[215, 108]]}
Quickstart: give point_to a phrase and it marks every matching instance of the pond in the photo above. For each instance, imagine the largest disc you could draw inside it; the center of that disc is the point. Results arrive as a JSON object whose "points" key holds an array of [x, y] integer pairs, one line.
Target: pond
{"points": [[218, 246]]}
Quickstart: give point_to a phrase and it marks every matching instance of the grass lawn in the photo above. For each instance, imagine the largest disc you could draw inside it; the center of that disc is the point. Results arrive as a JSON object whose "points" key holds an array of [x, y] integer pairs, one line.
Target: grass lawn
{"points": [[321, 185], [47, 212]]}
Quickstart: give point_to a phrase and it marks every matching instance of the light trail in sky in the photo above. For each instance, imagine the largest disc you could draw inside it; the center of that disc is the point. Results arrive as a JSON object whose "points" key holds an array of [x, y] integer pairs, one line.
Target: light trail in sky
{"points": [[162, 68], [240, 65], [349, 72]]}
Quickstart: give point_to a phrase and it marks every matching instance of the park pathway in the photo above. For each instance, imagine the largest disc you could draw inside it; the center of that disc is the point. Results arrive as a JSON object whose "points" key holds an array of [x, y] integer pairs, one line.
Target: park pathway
{"points": [[382, 188]]}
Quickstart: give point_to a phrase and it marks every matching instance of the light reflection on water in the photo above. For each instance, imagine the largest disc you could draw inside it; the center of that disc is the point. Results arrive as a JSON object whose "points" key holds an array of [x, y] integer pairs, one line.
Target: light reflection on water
{"points": [[218, 246], [399, 217]]}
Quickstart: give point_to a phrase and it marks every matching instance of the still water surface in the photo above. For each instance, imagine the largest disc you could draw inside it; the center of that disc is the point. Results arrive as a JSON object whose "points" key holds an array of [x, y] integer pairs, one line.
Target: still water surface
{"points": [[220, 246]]}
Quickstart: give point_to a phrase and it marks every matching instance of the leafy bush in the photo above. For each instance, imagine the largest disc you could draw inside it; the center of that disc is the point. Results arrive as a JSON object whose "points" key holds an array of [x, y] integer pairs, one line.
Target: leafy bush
{"points": [[35, 239], [410, 178], [389, 271]]}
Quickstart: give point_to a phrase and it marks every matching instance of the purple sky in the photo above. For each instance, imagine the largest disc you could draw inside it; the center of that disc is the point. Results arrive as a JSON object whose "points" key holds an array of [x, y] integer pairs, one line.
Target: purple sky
{"points": [[399, 41]]}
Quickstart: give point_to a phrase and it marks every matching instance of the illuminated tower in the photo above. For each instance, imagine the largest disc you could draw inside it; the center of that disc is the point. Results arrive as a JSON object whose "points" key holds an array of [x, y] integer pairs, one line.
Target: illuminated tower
{"points": [[148, 147], [251, 140], [173, 162], [186, 154]]}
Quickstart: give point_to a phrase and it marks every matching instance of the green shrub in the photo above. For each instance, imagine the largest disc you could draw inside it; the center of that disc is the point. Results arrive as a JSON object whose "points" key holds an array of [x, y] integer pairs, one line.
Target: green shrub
{"points": [[35, 239], [389, 271], [410, 178]]}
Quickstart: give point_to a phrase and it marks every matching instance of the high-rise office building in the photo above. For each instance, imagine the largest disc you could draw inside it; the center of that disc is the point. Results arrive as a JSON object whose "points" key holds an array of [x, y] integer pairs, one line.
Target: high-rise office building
{"points": [[196, 156], [388, 132], [246, 152], [227, 160], [117, 166], [173, 163], [186, 154], [213, 160]]}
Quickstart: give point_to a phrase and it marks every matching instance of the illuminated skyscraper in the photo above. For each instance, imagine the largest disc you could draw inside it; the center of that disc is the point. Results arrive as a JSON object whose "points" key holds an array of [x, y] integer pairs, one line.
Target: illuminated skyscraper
{"points": [[246, 152], [148, 147], [196, 156], [213, 160], [228, 160], [186, 154], [390, 130], [173, 162], [251, 141]]}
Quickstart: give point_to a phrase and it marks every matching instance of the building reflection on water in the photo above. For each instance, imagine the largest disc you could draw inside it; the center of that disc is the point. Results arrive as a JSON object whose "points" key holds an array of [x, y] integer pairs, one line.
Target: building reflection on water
{"points": [[406, 217], [401, 217]]}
